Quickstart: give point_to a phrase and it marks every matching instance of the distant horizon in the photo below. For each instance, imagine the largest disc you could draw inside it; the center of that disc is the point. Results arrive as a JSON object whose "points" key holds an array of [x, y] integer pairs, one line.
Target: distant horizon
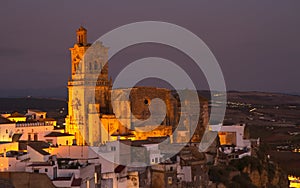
{"points": [[51, 93]]}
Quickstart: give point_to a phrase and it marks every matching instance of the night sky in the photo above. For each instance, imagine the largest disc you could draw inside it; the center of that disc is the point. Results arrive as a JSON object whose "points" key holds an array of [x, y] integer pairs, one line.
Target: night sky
{"points": [[255, 42]]}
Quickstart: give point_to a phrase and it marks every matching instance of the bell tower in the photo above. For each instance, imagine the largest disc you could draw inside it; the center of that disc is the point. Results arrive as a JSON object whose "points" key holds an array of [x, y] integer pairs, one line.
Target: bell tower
{"points": [[86, 69], [81, 35]]}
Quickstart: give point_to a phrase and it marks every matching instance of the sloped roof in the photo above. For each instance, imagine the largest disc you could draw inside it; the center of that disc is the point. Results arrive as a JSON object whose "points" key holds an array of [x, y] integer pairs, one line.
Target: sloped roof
{"points": [[4, 120], [38, 148], [76, 182], [23, 144], [58, 134], [16, 137], [35, 110], [40, 164], [16, 114], [119, 168], [4, 142]]}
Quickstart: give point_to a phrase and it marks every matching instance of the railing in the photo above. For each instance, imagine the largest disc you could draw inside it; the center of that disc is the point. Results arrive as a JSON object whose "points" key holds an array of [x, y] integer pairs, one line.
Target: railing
{"points": [[33, 124]]}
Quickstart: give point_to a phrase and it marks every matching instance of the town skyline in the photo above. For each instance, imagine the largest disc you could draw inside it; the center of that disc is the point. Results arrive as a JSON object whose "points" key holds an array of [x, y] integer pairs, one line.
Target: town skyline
{"points": [[149, 94]]}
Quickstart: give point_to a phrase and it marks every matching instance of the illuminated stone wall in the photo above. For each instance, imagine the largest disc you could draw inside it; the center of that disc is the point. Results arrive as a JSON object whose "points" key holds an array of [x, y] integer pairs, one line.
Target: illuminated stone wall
{"points": [[80, 86]]}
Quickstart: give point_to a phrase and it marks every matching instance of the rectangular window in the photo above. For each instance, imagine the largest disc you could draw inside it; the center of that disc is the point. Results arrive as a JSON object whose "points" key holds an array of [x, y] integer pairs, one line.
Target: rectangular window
{"points": [[170, 180]]}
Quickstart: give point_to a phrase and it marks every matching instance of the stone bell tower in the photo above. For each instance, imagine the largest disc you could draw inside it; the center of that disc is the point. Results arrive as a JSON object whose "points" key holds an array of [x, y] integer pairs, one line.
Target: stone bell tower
{"points": [[89, 74]]}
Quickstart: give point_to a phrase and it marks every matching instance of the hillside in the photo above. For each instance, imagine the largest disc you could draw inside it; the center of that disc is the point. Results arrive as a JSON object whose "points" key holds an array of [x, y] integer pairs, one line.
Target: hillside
{"points": [[274, 118]]}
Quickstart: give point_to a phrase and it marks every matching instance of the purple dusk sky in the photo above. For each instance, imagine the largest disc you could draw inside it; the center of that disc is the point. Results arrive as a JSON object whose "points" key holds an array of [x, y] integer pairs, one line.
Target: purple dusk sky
{"points": [[256, 42]]}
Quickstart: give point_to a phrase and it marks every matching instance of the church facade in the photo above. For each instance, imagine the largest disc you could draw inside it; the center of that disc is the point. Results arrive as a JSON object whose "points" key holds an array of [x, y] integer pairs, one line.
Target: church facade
{"points": [[93, 121]]}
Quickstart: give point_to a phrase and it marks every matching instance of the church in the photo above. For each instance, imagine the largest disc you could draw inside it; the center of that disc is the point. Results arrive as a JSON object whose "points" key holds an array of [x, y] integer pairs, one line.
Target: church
{"points": [[93, 120]]}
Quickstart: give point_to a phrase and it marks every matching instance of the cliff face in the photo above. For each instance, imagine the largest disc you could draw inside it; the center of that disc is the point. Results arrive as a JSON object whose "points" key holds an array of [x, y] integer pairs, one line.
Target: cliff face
{"points": [[268, 175], [249, 172]]}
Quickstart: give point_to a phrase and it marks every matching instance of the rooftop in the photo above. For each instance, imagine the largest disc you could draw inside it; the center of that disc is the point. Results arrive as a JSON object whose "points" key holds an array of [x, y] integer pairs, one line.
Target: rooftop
{"points": [[38, 148], [23, 144], [36, 110], [16, 114], [4, 120], [40, 164], [58, 134], [76, 182], [63, 178], [119, 168]]}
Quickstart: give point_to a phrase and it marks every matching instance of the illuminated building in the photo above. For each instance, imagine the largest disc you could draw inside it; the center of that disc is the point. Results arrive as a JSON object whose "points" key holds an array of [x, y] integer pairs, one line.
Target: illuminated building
{"points": [[31, 127], [233, 135], [79, 89], [16, 117], [93, 121], [294, 181]]}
